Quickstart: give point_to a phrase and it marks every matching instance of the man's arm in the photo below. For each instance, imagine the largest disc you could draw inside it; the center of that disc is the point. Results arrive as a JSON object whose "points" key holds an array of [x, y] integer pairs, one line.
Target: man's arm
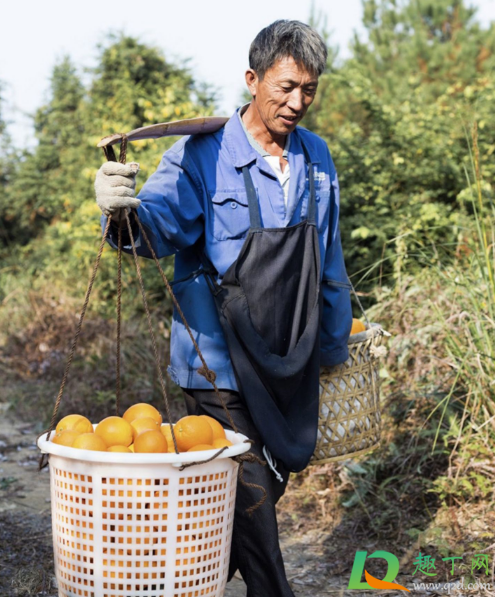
{"points": [[337, 312], [171, 209]]}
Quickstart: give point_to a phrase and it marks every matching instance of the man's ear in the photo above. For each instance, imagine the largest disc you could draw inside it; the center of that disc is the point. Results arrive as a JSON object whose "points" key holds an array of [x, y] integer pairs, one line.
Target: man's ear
{"points": [[252, 81]]}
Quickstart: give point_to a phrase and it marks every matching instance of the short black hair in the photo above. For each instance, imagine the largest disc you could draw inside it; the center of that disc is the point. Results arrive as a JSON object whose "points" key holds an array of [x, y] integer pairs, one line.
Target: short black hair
{"points": [[288, 38]]}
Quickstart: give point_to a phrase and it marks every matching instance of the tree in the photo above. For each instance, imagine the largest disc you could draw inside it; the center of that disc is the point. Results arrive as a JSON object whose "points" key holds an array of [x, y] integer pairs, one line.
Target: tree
{"points": [[429, 43], [51, 212], [397, 116], [133, 85], [47, 174], [7, 169]]}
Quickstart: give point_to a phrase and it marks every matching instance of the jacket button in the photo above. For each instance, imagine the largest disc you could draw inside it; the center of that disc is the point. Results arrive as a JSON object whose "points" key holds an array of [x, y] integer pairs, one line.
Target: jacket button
{"points": [[233, 205]]}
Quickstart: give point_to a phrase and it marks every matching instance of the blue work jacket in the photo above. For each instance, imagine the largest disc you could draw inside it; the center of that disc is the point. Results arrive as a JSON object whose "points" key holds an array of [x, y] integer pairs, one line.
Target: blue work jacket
{"points": [[198, 194]]}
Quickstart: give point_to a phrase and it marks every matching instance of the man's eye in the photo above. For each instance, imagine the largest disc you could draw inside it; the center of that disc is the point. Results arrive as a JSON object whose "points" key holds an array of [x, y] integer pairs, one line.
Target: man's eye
{"points": [[286, 88], [310, 91]]}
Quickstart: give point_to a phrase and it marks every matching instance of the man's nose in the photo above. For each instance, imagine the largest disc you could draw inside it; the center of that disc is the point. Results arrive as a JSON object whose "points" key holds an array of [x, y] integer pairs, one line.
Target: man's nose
{"points": [[296, 100]]}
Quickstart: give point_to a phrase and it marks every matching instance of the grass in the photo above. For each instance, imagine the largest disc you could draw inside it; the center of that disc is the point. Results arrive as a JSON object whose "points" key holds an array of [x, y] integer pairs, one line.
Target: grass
{"points": [[430, 486], [33, 360]]}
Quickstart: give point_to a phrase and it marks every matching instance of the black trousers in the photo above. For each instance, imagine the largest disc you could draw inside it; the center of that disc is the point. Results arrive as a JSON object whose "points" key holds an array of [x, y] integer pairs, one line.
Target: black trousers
{"points": [[255, 548]]}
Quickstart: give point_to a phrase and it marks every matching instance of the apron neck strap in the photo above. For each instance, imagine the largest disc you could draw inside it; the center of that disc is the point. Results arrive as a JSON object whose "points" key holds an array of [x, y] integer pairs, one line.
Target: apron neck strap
{"points": [[254, 208], [312, 194]]}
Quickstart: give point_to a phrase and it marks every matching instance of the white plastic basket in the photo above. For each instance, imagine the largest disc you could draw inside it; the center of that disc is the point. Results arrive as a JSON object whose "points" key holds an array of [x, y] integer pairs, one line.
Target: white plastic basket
{"points": [[134, 525]]}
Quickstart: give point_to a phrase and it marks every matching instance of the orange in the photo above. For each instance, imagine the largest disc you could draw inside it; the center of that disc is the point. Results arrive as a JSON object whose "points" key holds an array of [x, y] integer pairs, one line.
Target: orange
{"points": [[216, 427], [166, 430], [90, 441], [142, 409], [143, 424], [150, 441], [75, 423], [66, 438], [191, 431], [221, 443], [131, 447], [118, 449], [115, 431], [200, 447], [357, 326]]}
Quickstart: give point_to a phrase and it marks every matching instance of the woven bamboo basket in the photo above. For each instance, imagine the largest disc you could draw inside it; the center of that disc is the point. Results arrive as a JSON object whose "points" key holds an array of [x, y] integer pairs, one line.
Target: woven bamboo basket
{"points": [[349, 421]]}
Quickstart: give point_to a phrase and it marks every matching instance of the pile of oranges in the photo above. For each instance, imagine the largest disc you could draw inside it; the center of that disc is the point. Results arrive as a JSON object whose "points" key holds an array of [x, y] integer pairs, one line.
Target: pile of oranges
{"points": [[141, 430]]}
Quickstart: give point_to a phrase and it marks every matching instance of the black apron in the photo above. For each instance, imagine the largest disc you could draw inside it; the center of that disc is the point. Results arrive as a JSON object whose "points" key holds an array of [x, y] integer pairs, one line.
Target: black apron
{"points": [[269, 305]]}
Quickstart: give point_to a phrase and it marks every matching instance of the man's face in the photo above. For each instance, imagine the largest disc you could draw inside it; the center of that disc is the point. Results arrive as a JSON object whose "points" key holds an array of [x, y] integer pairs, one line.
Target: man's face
{"points": [[284, 95]]}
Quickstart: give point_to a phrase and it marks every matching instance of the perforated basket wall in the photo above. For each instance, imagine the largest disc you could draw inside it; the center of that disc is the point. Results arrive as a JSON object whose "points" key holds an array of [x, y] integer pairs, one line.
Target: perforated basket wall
{"points": [[123, 529], [349, 420]]}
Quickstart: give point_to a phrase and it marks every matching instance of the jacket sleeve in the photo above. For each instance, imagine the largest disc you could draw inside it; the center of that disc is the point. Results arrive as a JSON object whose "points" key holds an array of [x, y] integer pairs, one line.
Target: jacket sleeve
{"points": [[337, 312], [171, 210]]}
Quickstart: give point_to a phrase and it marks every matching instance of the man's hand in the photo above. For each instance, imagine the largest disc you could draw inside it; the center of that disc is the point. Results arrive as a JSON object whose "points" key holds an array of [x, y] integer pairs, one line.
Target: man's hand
{"points": [[115, 186]]}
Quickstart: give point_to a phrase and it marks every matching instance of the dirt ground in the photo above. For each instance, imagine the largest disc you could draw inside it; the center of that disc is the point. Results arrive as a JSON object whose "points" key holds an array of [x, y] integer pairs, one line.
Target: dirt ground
{"points": [[318, 562]]}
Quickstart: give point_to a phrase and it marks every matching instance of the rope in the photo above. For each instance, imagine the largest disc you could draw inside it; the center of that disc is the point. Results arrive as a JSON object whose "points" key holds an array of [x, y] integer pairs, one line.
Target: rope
{"points": [[109, 153], [374, 388], [150, 328], [204, 370], [119, 314], [240, 459], [44, 458], [123, 149], [250, 457], [188, 464], [359, 303], [122, 159], [208, 373]]}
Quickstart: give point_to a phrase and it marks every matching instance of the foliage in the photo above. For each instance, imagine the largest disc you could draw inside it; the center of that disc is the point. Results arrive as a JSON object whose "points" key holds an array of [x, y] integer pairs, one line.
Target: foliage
{"points": [[45, 177], [417, 228], [7, 167], [51, 217], [53, 233], [433, 44], [395, 116]]}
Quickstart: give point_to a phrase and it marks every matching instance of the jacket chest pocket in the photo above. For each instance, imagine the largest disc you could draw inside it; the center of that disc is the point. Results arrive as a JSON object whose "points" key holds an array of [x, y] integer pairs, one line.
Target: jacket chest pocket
{"points": [[229, 214]]}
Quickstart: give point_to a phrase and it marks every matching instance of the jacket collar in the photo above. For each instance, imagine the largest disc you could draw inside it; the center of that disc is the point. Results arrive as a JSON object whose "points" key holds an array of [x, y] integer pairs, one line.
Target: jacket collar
{"points": [[242, 152]]}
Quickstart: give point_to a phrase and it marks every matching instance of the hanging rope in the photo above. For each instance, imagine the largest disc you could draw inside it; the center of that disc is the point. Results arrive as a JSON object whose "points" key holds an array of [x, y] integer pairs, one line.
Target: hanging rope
{"points": [[204, 370], [44, 458], [110, 155], [119, 314], [240, 459], [250, 457], [150, 329]]}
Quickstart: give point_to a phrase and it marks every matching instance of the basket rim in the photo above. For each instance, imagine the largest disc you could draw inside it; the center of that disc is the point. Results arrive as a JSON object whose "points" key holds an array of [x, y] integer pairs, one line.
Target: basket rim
{"points": [[176, 460], [375, 330], [348, 456]]}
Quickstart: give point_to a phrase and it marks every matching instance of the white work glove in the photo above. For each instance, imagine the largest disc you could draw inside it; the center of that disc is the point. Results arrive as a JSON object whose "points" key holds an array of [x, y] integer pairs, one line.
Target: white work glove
{"points": [[115, 187]]}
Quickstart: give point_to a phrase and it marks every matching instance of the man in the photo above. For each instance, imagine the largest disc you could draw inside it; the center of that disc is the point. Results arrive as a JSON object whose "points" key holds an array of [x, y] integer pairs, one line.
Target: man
{"points": [[251, 214]]}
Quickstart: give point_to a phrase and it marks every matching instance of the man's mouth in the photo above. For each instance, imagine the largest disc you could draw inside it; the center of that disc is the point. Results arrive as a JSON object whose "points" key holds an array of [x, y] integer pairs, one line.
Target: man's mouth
{"points": [[288, 119]]}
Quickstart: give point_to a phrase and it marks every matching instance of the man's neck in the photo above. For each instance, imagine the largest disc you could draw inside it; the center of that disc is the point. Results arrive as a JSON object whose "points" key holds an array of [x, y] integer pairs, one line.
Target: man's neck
{"points": [[274, 145]]}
